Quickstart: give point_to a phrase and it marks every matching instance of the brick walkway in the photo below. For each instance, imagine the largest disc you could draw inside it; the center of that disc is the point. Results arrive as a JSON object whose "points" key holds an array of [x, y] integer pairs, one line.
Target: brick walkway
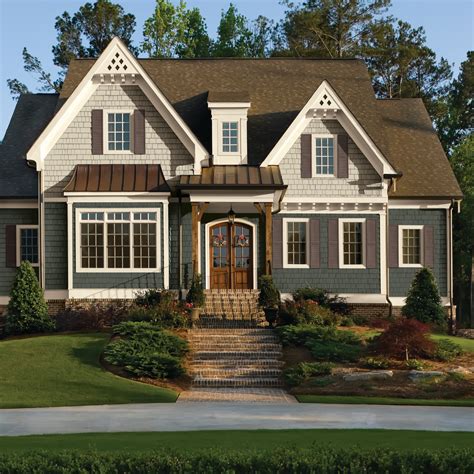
{"points": [[236, 395]]}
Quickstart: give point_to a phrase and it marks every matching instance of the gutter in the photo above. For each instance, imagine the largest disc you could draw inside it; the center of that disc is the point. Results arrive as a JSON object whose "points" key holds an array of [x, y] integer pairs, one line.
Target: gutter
{"points": [[387, 269]]}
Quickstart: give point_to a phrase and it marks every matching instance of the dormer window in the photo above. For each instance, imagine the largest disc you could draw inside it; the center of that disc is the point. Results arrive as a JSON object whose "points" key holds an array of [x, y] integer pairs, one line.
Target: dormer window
{"points": [[324, 154], [229, 126], [118, 131], [230, 137]]}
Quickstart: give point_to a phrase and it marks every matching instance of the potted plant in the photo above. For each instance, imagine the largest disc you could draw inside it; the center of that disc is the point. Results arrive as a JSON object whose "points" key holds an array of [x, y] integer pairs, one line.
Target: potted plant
{"points": [[195, 298], [269, 298]]}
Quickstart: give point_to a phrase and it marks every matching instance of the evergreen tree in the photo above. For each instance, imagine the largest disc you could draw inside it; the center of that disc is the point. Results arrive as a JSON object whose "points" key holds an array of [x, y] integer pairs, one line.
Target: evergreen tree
{"points": [[196, 294], [424, 301], [27, 310]]}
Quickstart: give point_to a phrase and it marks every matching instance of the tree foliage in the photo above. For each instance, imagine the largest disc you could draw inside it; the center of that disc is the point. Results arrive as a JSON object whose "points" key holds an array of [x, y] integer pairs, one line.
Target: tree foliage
{"points": [[27, 311]]}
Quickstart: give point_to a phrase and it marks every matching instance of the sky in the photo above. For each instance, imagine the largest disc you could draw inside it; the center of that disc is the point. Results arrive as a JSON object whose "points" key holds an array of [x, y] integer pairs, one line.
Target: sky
{"points": [[449, 26]]}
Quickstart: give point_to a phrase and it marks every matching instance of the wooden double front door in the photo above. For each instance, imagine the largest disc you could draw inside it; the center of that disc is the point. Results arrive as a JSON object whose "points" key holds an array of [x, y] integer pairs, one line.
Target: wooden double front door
{"points": [[231, 256]]}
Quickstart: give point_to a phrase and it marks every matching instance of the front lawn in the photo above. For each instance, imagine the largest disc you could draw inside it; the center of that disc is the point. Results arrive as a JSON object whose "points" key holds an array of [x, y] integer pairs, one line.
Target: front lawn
{"points": [[466, 344], [239, 440], [64, 370]]}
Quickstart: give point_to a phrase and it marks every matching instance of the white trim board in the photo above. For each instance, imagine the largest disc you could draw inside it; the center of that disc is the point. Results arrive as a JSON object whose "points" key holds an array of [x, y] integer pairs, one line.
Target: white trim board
{"points": [[345, 117], [11, 204], [56, 127], [418, 204]]}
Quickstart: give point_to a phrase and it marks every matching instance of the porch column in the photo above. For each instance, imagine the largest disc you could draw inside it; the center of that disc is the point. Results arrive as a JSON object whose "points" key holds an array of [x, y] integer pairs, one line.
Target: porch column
{"points": [[195, 236], [268, 238]]}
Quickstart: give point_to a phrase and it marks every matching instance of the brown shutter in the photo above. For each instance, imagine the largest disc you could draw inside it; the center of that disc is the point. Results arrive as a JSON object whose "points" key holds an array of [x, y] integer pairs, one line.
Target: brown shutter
{"points": [[342, 159], [97, 132], [428, 246], [139, 132], [314, 247], [333, 247], [277, 243], [371, 243], [393, 246], [10, 246], [306, 156]]}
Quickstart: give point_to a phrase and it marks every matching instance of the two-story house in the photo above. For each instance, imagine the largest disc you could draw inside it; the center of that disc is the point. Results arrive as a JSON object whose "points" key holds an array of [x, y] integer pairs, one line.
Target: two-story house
{"points": [[141, 172]]}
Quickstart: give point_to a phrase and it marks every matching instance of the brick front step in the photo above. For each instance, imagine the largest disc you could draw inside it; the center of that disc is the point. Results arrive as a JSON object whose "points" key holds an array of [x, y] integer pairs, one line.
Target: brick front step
{"points": [[238, 355], [236, 372], [231, 332], [237, 382], [234, 346], [215, 323], [235, 364], [232, 339]]}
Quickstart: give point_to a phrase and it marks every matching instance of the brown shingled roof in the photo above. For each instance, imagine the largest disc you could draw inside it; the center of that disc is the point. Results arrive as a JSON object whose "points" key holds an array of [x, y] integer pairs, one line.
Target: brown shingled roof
{"points": [[279, 88], [117, 178]]}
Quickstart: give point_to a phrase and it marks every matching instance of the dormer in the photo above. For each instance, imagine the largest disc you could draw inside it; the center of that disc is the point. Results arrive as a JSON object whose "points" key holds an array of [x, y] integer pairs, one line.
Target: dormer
{"points": [[229, 126]]}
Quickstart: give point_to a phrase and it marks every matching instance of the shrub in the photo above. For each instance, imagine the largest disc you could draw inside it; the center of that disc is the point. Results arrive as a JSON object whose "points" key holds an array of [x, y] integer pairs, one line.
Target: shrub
{"points": [[347, 322], [335, 303], [80, 317], [153, 297], [376, 363], [172, 317], [404, 339], [196, 295], [27, 311], [414, 364], [307, 312], [304, 371], [334, 351], [269, 296], [424, 301], [145, 349], [447, 350]]}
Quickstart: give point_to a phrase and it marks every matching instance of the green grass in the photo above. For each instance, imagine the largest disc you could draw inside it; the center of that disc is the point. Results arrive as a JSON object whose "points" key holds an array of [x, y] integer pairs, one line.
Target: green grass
{"points": [[238, 440], [357, 400], [466, 344], [64, 370]]}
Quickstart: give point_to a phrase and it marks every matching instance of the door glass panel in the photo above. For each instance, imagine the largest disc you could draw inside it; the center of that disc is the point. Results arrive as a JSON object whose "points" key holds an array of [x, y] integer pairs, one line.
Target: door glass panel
{"points": [[219, 243], [242, 247]]}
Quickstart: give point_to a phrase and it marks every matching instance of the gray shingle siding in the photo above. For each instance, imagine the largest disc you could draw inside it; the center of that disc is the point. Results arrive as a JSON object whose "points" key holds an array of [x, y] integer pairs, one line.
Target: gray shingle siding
{"points": [[55, 217], [119, 280], [336, 280], [17, 217], [401, 278]]}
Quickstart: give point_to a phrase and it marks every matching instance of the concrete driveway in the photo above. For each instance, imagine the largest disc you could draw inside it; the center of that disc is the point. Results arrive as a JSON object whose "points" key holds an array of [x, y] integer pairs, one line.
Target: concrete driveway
{"points": [[223, 416]]}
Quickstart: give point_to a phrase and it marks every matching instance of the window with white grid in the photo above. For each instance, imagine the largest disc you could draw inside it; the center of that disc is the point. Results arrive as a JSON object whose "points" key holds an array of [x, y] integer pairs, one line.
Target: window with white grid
{"points": [[296, 243], [324, 155], [230, 137], [353, 243], [118, 240], [411, 242], [118, 131], [27, 244]]}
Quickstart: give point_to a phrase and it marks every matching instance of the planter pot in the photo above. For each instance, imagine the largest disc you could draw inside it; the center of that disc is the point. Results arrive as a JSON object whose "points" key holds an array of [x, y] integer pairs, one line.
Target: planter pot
{"points": [[195, 313], [271, 315]]}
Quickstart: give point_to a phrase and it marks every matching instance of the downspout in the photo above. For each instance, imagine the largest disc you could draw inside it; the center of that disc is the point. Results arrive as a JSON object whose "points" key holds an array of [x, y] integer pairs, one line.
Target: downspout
{"points": [[387, 269], [450, 266], [180, 250], [42, 276]]}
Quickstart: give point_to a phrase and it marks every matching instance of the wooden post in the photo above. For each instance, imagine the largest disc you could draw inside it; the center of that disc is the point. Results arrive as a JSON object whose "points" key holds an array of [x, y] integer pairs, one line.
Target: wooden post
{"points": [[268, 238], [195, 237]]}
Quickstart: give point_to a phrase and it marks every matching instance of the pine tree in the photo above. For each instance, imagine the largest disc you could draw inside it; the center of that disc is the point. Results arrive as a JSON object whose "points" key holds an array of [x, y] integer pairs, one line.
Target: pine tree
{"points": [[424, 301], [27, 311]]}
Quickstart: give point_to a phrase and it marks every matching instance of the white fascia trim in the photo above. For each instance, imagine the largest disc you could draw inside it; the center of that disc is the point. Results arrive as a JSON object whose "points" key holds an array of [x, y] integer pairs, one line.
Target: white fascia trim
{"points": [[401, 228], [341, 222], [86, 88], [348, 122], [305, 220], [228, 105], [18, 204], [336, 200], [400, 300], [355, 298], [230, 197], [418, 204], [106, 293], [114, 198], [208, 225]]}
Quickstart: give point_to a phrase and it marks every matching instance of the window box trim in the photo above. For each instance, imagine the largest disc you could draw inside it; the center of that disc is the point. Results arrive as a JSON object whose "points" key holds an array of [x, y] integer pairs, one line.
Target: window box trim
{"points": [[304, 220], [105, 221], [313, 155], [19, 228], [105, 124], [401, 228], [341, 242]]}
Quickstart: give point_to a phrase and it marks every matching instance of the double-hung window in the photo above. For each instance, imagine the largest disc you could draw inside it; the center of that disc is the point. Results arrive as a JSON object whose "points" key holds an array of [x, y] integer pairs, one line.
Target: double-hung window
{"points": [[27, 244], [352, 243], [118, 240], [118, 132], [410, 245], [324, 153], [230, 137], [295, 243]]}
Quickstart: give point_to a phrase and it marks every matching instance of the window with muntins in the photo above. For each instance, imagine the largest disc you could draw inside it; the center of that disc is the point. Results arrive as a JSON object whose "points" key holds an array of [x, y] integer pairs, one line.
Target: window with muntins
{"points": [[29, 245], [296, 243], [230, 137], [324, 155], [118, 127], [118, 240], [352, 243], [411, 246]]}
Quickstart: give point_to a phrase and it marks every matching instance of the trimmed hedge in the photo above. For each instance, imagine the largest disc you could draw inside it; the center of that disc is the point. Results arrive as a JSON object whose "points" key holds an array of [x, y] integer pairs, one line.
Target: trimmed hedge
{"points": [[287, 460]]}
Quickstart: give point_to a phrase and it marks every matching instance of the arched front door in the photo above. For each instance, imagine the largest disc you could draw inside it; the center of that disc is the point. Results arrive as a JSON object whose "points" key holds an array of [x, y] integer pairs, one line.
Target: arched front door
{"points": [[231, 264]]}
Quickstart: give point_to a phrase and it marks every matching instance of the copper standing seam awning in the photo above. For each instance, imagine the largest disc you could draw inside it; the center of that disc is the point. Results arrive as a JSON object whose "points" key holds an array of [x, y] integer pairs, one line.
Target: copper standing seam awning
{"points": [[117, 178], [234, 177]]}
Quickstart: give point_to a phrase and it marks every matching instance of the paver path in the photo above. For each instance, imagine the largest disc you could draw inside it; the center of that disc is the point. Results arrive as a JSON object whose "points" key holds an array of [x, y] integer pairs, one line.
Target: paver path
{"points": [[236, 395], [226, 416]]}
